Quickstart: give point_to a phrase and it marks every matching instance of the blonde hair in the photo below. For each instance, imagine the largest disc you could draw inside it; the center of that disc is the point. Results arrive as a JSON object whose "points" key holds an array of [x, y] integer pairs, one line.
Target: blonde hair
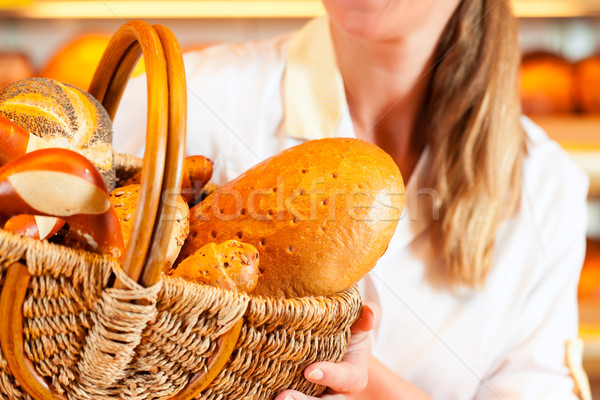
{"points": [[476, 140]]}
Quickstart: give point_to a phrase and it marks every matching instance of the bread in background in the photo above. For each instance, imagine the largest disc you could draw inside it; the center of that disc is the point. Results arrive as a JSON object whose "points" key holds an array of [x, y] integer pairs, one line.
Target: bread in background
{"points": [[589, 283], [547, 84], [75, 62], [587, 84], [14, 66]]}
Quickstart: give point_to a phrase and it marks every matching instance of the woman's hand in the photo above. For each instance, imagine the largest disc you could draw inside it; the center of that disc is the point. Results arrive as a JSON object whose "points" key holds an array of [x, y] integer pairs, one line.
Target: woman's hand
{"points": [[347, 379]]}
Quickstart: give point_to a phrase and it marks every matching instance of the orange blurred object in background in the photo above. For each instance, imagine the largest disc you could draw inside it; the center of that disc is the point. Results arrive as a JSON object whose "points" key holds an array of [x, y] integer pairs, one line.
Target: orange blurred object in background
{"points": [[547, 84], [14, 66], [589, 283], [587, 81], [76, 62]]}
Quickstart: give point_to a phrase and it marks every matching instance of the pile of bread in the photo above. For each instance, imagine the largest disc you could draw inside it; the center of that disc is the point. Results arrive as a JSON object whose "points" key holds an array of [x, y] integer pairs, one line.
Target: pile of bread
{"points": [[550, 84], [309, 221]]}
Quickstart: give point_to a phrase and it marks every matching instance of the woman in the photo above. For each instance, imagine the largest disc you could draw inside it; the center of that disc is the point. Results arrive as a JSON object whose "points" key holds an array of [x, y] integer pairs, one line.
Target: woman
{"points": [[477, 291]]}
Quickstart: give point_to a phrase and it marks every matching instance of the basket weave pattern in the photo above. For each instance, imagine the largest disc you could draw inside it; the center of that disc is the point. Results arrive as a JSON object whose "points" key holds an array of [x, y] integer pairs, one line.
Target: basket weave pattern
{"points": [[279, 339], [92, 341], [91, 329]]}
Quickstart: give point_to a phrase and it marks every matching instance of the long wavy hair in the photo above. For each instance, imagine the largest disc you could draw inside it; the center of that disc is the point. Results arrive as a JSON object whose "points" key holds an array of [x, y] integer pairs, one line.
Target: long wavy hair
{"points": [[475, 137]]}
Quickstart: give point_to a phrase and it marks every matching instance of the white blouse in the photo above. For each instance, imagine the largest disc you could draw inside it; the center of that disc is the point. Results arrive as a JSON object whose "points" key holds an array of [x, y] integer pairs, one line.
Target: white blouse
{"points": [[506, 341]]}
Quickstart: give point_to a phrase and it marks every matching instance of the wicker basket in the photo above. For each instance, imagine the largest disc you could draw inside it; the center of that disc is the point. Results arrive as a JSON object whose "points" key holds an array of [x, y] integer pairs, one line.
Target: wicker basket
{"points": [[76, 325]]}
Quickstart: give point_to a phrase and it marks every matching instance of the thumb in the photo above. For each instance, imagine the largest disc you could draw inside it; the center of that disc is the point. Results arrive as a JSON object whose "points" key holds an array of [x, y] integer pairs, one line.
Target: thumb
{"points": [[367, 319]]}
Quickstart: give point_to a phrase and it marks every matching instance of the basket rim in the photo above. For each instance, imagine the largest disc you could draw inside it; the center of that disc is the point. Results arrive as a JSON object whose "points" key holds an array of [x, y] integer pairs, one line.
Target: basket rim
{"points": [[46, 252]]}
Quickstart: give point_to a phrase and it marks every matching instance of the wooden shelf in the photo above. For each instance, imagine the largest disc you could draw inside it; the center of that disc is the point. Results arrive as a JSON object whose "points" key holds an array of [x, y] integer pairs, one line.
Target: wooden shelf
{"points": [[556, 8], [580, 136], [126, 9]]}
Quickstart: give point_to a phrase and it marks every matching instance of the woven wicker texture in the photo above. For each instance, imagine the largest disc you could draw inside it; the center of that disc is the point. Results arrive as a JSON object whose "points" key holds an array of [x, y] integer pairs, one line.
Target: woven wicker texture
{"points": [[282, 337], [92, 332], [92, 341]]}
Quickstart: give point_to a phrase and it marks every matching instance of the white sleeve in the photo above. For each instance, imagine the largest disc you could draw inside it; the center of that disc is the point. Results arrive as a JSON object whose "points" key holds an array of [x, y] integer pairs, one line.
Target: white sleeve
{"points": [[225, 85], [207, 111], [533, 367], [129, 124]]}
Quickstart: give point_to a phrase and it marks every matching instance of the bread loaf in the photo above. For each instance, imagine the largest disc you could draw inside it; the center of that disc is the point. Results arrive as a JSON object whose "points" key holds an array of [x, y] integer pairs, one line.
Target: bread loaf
{"points": [[230, 265], [320, 214], [65, 116]]}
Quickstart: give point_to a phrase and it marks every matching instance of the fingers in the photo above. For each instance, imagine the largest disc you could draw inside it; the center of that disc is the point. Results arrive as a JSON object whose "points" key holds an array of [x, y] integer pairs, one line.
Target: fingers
{"points": [[348, 378], [344, 377], [367, 319], [294, 395]]}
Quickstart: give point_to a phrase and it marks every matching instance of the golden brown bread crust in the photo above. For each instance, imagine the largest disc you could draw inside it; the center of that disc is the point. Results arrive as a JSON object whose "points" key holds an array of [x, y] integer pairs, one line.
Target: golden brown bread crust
{"points": [[63, 115], [231, 265], [320, 214], [197, 171], [124, 200]]}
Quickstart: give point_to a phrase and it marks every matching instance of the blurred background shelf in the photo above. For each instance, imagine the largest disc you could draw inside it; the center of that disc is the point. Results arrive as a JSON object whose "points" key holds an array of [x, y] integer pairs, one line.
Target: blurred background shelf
{"points": [[580, 136], [43, 9], [589, 331]]}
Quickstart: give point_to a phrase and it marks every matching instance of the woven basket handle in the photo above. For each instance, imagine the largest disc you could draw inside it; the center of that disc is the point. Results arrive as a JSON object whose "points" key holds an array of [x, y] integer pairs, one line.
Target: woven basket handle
{"points": [[165, 135], [161, 179]]}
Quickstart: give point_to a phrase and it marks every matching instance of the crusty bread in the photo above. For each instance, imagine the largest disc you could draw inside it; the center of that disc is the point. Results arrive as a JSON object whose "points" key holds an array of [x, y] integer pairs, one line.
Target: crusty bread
{"points": [[320, 214], [231, 265], [65, 116], [124, 200]]}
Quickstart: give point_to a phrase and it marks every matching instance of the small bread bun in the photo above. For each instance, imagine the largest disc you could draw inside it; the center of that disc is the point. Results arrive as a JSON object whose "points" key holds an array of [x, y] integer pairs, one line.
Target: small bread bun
{"points": [[320, 214], [547, 84], [230, 265], [197, 171], [587, 81], [65, 116], [124, 200]]}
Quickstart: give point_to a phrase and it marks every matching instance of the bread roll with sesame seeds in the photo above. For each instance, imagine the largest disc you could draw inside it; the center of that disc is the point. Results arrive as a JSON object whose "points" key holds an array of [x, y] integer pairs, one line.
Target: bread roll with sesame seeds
{"points": [[63, 115], [320, 215]]}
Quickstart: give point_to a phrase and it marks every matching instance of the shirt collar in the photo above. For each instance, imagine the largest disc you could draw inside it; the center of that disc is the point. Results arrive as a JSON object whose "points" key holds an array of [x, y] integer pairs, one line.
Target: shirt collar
{"points": [[314, 94], [315, 102]]}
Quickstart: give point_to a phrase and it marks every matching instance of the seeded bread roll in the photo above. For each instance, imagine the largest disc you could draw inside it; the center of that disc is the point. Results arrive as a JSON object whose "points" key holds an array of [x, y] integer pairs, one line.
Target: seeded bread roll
{"points": [[65, 116], [320, 214], [230, 265]]}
